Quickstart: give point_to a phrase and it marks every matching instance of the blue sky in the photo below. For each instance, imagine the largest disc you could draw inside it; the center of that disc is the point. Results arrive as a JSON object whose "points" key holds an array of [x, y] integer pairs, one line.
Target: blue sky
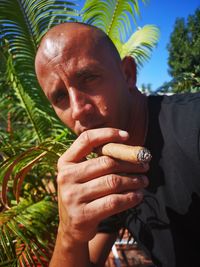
{"points": [[162, 13]]}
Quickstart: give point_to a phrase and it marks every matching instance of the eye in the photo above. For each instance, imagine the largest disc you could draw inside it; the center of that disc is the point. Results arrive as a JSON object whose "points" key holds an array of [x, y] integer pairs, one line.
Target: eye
{"points": [[91, 78], [59, 96]]}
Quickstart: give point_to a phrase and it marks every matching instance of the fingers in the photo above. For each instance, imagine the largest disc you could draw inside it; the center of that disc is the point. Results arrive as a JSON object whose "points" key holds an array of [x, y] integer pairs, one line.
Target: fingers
{"points": [[96, 167], [111, 184], [91, 190], [103, 197], [84, 217], [104, 207], [90, 139]]}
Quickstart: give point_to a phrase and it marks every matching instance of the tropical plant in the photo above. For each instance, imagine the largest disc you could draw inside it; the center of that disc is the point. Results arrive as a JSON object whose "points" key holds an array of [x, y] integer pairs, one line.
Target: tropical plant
{"points": [[116, 19], [30, 133], [24, 233], [31, 136]]}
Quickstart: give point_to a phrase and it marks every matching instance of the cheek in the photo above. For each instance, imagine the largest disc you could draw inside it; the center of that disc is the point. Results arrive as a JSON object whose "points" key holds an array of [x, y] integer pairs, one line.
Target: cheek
{"points": [[65, 117], [101, 105]]}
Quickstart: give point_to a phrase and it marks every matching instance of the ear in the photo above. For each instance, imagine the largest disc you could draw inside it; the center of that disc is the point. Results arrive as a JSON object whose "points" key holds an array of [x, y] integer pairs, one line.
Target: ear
{"points": [[129, 70]]}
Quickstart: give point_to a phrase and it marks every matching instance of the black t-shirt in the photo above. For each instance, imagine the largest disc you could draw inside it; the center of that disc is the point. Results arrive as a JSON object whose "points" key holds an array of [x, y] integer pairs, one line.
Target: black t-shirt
{"points": [[167, 223]]}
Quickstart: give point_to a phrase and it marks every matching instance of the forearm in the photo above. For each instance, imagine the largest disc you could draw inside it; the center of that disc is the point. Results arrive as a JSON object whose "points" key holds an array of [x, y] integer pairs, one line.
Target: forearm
{"points": [[70, 253]]}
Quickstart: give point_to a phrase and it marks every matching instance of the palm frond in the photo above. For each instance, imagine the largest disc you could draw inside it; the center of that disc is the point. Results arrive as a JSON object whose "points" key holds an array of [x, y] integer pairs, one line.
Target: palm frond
{"points": [[25, 233], [25, 21], [32, 105], [40, 159], [39, 120], [22, 24], [140, 44], [114, 17]]}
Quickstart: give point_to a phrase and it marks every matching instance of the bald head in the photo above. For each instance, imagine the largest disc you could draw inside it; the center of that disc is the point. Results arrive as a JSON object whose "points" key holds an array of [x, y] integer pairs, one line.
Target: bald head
{"points": [[84, 78], [61, 39]]}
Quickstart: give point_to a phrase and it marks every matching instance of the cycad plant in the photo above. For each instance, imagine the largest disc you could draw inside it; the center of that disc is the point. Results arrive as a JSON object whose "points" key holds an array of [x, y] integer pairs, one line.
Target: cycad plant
{"points": [[31, 136], [116, 19]]}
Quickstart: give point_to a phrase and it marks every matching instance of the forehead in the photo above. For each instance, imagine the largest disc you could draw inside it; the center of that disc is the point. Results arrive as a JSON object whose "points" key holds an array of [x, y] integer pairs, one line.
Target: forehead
{"points": [[73, 44], [72, 53], [72, 59], [76, 51], [69, 55]]}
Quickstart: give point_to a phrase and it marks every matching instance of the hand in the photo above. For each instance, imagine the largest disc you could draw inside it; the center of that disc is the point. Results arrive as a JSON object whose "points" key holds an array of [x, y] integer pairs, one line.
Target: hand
{"points": [[92, 190]]}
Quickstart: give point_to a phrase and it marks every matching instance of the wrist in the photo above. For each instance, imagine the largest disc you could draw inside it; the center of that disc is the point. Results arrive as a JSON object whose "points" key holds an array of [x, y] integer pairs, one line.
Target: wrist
{"points": [[68, 240], [69, 251]]}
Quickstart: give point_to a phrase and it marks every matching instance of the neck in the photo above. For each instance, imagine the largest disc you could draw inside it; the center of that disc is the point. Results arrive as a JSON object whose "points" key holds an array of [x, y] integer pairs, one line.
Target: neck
{"points": [[139, 119]]}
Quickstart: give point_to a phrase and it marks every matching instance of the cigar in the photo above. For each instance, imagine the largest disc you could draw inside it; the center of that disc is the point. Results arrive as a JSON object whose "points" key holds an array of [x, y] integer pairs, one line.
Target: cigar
{"points": [[134, 154]]}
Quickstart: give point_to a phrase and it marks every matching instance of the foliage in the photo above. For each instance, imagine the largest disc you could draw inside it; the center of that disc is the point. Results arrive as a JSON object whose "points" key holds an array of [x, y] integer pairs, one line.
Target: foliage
{"points": [[186, 82], [31, 136], [184, 54], [146, 88], [22, 24], [115, 19], [25, 231]]}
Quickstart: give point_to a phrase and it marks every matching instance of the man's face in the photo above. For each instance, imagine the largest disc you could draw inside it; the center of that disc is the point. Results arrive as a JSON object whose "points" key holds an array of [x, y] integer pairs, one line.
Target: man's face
{"points": [[85, 84]]}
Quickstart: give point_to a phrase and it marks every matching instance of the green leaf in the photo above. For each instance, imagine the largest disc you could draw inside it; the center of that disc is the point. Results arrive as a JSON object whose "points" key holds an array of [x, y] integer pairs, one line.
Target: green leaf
{"points": [[24, 232], [22, 24], [114, 17], [140, 44]]}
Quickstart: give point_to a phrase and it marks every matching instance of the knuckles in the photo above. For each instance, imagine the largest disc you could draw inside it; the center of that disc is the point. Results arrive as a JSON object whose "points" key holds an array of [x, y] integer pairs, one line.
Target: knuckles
{"points": [[69, 197], [113, 182], [67, 174], [121, 203], [107, 163], [61, 163], [112, 203], [60, 178], [84, 138], [79, 218]]}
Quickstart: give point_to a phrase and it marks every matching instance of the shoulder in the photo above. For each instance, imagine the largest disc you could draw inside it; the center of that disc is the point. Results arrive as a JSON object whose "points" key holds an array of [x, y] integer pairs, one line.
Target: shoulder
{"points": [[174, 138], [181, 111], [187, 99], [179, 120], [176, 99], [176, 109]]}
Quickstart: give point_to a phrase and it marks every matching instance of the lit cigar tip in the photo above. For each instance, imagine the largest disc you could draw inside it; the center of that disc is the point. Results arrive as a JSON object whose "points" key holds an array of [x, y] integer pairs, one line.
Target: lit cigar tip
{"points": [[144, 155]]}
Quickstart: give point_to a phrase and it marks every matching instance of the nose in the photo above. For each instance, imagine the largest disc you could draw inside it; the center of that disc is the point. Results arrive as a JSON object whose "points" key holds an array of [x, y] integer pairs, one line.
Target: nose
{"points": [[80, 104]]}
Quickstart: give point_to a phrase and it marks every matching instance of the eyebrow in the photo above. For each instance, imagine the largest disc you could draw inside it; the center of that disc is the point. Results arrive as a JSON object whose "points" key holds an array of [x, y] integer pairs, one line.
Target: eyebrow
{"points": [[52, 93], [81, 73], [87, 71]]}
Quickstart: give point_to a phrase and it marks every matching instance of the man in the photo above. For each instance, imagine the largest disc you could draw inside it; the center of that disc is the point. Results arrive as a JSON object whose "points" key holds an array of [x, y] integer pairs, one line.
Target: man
{"points": [[94, 93]]}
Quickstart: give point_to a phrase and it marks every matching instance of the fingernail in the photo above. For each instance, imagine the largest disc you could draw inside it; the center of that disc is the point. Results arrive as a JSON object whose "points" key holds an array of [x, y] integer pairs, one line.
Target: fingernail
{"points": [[144, 165], [123, 134], [145, 180], [139, 195], [135, 180]]}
